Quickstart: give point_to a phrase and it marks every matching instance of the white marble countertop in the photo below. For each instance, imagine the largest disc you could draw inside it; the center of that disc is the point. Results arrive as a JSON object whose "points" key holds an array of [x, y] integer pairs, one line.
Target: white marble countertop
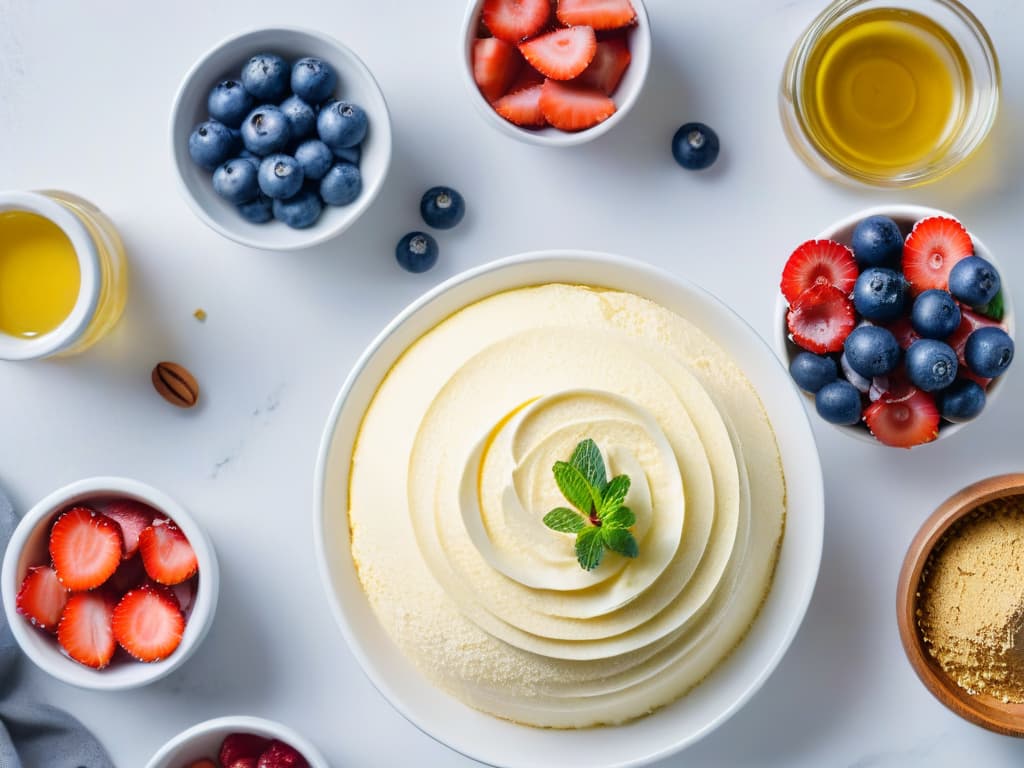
{"points": [[85, 91]]}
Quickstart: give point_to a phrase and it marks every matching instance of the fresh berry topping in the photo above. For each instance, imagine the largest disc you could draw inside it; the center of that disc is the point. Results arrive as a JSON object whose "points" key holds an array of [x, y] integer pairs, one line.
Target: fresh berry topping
{"points": [[931, 364], [962, 401], [85, 631], [819, 262], [904, 424], [133, 517], [935, 314], [570, 108], [237, 746], [166, 553], [281, 755], [812, 372], [989, 352], [838, 403], [515, 20], [880, 294], [599, 14], [86, 548], [970, 321], [495, 65], [561, 54], [695, 146], [522, 107], [877, 242], [934, 247], [904, 332], [42, 598], [148, 623], [417, 252], [861, 383], [820, 319], [974, 281], [609, 65], [872, 351]]}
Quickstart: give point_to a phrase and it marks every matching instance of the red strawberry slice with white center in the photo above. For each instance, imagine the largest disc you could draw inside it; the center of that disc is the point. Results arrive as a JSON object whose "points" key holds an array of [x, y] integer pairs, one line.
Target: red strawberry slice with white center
{"points": [[821, 318], [599, 14], [904, 423], [611, 60], [522, 107], [819, 262], [41, 598], [148, 623], [240, 746], [571, 108], [166, 554], [970, 321], [133, 517], [562, 54], [85, 631], [85, 548], [281, 755], [495, 65], [515, 20], [931, 251]]}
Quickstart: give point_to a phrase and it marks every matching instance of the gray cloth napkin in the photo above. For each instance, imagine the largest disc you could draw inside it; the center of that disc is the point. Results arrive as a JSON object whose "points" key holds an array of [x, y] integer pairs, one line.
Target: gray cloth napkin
{"points": [[33, 734]]}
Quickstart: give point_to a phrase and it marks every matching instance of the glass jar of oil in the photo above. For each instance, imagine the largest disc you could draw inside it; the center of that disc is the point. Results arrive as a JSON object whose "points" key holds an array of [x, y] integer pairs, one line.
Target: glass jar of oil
{"points": [[890, 92]]}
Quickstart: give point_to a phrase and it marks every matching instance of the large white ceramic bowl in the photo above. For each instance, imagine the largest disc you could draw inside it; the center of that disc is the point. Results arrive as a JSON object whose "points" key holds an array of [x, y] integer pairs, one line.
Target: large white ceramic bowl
{"points": [[502, 743]]}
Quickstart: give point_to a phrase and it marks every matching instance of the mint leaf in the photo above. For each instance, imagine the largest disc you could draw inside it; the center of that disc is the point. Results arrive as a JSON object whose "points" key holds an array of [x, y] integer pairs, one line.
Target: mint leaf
{"points": [[622, 517], [619, 540], [589, 548], [994, 309], [565, 520], [587, 459], [614, 496], [574, 487]]}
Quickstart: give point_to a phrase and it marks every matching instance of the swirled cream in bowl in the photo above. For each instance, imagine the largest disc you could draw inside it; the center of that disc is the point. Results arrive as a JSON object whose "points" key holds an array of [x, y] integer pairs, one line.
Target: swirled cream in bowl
{"points": [[565, 504]]}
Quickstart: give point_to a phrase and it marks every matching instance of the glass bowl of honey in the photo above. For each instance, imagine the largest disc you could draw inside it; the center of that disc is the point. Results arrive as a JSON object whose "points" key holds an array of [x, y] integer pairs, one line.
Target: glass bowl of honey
{"points": [[890, 93]]}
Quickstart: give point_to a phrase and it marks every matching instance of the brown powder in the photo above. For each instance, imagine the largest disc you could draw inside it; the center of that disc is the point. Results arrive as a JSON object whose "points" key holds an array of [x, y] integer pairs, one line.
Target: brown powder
{"points": [[971, 601]]}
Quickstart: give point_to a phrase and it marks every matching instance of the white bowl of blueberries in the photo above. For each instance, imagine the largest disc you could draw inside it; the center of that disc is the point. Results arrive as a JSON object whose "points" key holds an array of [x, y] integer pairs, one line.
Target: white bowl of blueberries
{"points": [[895, 322], [281, 138]]}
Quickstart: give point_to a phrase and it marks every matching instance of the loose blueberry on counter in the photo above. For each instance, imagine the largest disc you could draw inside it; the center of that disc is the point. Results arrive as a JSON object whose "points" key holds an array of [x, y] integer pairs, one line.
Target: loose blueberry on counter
{"points": [[935, 314], [315, 158], [961, 401], [266, 130], [861, 383], [266, 77], [235, 181], [989, 352], [211, 144], [280, 177], [442, 207], [974, 281], [877, 242], [417, 252], [300, 116], [300, 211], [880, 294], [695, 146], [349, 154], [838, 403], [313, 80], [229, 103], [341, 185], [811, 372], [341, 124], [931, 364], [871, 350], [258, 211]]}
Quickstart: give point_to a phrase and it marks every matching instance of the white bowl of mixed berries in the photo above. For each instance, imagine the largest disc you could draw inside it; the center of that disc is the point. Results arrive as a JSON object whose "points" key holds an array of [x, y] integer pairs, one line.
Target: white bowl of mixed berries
{"points": [[896, 324], [238, 742]]}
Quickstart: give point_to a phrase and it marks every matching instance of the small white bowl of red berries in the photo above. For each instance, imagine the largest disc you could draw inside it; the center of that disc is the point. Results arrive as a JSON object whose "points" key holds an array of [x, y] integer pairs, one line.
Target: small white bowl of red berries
{"points": [[896, 324], [109, 584], [238, 742]]}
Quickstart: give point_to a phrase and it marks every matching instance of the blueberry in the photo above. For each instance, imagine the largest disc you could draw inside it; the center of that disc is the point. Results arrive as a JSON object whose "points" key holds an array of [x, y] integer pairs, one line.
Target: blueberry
{"points": [[229, 103], [315, 158], [931, 364], [989, 351], [974, 281], [442, 207], [266, 130], [877, 241], [265, 76], [300, 211], [871, 350], [880, 294], [313, 80], [935, 314], [349, 154], [812, 372], [341, 185], [211, 144], [258, 211], [962, 401], [695, 146], [341, 124], [235, 181], [838, 403], [300, 116], [862, 383], [417, 252], [280, 176]]}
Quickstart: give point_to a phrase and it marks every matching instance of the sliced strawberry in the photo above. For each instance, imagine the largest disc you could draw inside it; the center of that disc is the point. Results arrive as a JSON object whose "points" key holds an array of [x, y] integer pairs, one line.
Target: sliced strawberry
{"points": [[245, 762], [821, 318], [819, 261], [495, 65], [970, 321], [527, 78], [148, 623], [238, 746], [904, 423], [204, 763], [281, 755], [894, 387], [515, 20], [599, 14], [904, 332], [932, 249], [522, 107], [85, 630], [570, 108], [166, 554], [42, 598], [129, 575], [185, 594], [133, 517], [562, 54], [611, 60], [85, 548]]}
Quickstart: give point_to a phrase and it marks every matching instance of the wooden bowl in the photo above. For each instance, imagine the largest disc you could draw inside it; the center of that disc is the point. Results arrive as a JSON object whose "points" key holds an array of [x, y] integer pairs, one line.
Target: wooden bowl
{"points": [[980, 709]]}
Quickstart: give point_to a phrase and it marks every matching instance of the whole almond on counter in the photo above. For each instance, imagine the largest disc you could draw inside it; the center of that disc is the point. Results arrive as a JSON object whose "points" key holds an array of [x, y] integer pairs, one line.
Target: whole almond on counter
{"points": [[175, 384]]}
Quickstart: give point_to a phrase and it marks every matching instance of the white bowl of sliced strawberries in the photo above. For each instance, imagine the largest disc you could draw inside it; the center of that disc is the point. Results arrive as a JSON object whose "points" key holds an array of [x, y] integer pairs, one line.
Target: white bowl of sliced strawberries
{"points": [[109, 584], [556, 73], [896, 324]]}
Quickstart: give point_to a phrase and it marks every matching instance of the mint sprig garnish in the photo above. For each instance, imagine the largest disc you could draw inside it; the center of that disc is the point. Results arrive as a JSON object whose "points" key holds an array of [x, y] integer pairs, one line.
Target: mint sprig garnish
{"points": [[600, 520], [994, 309]]}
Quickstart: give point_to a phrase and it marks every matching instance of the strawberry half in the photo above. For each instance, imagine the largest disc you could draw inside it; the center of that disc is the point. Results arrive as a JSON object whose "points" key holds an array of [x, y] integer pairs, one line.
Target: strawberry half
{"points": [[522, 107], [904, 423], [599, 14], [85, 548], [129, 575], [281, 755], [133, 517], [932, 249], [819, 262], [148, 623], [562, 54], [495, 65], [571, 108], [515, 20], [41, 598], [85, 631], [239, 746], [166, 554], [821, 318], [611, 60]]}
